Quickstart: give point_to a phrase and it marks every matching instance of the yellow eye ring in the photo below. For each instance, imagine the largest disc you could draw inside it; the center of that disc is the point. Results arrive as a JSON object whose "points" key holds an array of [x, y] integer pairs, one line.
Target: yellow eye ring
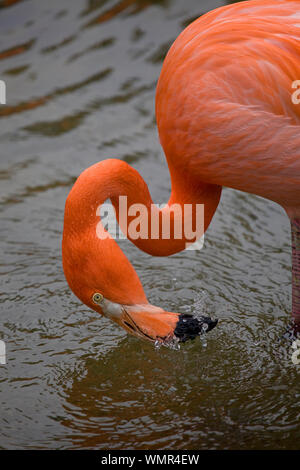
{"points": [[97, 298]]}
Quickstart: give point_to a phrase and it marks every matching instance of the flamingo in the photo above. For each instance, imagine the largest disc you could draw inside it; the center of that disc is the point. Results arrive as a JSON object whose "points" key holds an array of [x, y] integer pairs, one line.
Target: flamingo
{"points": [[225, 117]]}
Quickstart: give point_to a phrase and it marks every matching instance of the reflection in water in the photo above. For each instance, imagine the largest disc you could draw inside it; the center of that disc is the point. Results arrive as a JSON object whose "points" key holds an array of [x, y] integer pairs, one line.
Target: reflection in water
{"points": [[60, 91], [135, 6], [19, 49], [81, 80], [8, 3], [136, 397]]}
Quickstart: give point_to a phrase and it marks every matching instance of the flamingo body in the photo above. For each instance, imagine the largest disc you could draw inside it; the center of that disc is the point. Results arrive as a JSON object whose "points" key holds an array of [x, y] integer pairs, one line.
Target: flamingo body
{"points": [[223, 104]]}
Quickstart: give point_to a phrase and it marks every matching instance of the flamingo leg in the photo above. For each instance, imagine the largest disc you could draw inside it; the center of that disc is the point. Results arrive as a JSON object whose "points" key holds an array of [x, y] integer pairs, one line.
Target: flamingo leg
{"points": [[295, 228]]}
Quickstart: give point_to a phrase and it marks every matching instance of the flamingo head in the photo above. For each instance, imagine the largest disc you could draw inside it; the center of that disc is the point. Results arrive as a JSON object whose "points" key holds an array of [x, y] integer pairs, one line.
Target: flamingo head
{"points": [[152, 323], [107, 283]]}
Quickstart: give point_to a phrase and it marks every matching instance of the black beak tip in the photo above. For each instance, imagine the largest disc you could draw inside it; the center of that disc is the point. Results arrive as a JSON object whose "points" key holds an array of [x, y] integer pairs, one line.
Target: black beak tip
{"points": [[188, 327], [209, 322]]}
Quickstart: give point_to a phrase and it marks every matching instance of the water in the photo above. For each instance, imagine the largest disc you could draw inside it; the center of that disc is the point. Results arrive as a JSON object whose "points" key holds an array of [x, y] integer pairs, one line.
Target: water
{"points": [[81, 79]]}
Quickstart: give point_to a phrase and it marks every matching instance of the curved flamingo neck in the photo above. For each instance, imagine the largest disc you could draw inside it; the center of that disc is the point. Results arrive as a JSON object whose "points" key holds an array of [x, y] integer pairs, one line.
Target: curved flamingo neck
{"points": [[114, 178], [91, 262]]}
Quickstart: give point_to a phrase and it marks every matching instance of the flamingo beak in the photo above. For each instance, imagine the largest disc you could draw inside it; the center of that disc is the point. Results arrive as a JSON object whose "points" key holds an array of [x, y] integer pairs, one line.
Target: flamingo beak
{"points": [[154, 324]]}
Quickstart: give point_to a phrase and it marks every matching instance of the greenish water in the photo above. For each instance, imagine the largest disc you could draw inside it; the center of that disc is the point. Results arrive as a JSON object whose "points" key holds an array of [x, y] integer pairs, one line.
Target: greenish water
{"points": [[81, 80]]}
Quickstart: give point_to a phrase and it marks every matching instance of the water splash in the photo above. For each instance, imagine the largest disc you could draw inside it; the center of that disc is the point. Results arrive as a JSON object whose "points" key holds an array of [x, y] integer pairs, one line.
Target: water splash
{"points": [[170, 343], [190, 325], [199, 307]]}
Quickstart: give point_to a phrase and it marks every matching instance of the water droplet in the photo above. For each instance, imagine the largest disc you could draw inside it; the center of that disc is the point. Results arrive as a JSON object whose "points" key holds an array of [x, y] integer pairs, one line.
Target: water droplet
{"points": [[171, 343]]}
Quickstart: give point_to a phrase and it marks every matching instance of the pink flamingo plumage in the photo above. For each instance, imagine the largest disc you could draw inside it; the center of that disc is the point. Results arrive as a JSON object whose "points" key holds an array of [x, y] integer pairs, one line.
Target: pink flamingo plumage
{"points": [[225, 118]]}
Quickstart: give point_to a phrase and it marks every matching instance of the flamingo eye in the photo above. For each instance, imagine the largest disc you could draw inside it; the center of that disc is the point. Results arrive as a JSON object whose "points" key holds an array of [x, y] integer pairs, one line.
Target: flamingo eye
{"points": [[97, 298]]}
